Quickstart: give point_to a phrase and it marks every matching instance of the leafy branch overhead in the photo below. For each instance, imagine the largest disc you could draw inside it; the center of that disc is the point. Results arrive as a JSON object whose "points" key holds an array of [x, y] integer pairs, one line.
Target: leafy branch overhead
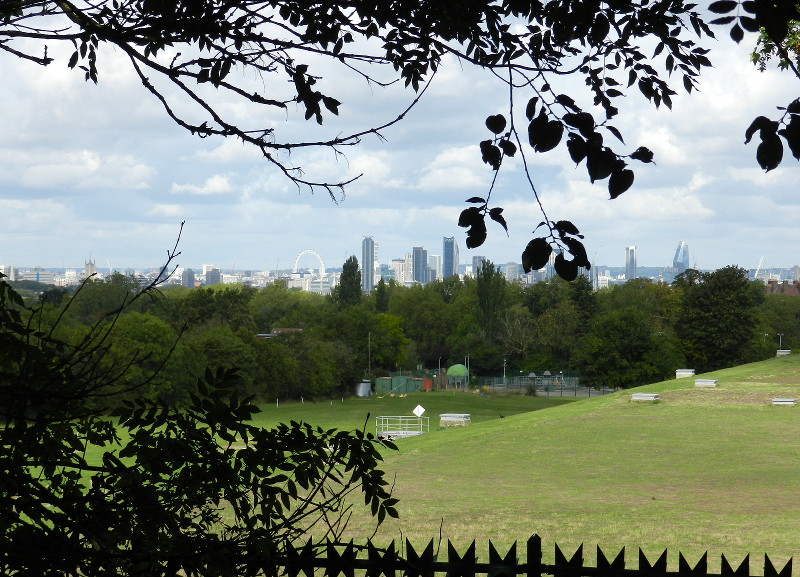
{"points": [[777, 22], [195, 56]]}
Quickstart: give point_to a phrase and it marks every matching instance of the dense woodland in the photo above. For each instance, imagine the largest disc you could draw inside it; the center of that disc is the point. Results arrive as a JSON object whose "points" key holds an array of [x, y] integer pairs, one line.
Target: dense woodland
{"points": [[624, 335]]}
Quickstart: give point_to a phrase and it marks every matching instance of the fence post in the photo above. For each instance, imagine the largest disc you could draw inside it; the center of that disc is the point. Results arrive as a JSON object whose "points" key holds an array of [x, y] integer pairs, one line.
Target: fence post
{"points": [[534, 556]]}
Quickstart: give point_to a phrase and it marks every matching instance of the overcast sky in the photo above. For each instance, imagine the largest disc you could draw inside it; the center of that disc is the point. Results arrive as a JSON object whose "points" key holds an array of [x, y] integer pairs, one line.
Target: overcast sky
{"points": [[101, 172]]}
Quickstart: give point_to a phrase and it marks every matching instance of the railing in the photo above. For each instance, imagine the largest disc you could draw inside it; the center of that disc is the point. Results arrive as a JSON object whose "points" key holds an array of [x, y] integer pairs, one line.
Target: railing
{"points": [[393, 427], [336, 559]]}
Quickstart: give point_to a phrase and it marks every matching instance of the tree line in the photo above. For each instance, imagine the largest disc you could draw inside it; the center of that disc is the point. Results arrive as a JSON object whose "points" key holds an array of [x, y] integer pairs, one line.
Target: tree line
{"points": [[621, 336]]}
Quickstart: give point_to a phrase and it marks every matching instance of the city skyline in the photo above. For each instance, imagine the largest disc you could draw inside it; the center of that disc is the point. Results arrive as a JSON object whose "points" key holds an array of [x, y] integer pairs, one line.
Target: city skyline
{"points": [[311, 259]]}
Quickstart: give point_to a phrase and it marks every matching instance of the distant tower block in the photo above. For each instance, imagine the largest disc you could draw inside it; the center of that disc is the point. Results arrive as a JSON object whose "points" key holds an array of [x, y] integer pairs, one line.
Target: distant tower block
{"points": [[89, 268], [630, 263], [680, 261], [367, 264]]}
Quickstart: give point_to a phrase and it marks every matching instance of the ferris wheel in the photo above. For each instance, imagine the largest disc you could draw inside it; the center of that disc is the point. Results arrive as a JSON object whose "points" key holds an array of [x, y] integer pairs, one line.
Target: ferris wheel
{"points": [[314, 254]]}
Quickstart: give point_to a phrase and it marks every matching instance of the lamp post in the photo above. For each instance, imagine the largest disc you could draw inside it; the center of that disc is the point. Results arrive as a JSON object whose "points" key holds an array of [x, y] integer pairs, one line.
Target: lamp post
{"points": [[780, 341]]}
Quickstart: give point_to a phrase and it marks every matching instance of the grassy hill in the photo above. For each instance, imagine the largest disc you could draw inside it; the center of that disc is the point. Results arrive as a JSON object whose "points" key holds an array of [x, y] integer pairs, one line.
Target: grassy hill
{"points": [[713, 470]]}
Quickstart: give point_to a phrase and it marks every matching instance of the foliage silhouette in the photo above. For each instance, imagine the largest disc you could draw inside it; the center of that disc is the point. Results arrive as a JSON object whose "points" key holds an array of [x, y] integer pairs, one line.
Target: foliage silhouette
{"points": [[93, 484], [191, 55]]}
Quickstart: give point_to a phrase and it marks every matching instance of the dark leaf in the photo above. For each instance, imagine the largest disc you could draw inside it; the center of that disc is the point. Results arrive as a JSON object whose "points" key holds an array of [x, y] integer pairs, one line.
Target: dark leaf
{"points": [[549, 136], [620, 181], [600, 163], [613, 130], [530, 109], [723, 6], [491, 154], [496, 214], [469, 216], [566, 269], [331, 104], [749, 23], [578, 252], [508, 147], [565, 227], [600, 29], [576, 147], [567, 102], [770, 152], [476, 235], [583, 121], [762, 124], [723, 20], [792, 135], [496, 123], [794, 106], [73, 60], [476, 199], [642, 154], [536, 254], [536, 127], [737, 33]]}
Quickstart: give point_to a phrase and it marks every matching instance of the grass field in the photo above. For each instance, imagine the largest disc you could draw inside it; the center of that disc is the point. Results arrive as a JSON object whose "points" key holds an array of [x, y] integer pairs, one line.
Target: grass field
{"points": [[713, 470]]}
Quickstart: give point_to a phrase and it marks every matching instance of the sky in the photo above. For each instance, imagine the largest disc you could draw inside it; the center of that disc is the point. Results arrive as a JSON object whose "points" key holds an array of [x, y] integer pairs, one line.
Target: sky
{"points": [[100, 172]]}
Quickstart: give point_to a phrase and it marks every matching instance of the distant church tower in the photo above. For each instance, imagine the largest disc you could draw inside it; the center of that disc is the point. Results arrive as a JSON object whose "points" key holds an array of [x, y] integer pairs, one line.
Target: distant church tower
{"points": [[89, 268]]}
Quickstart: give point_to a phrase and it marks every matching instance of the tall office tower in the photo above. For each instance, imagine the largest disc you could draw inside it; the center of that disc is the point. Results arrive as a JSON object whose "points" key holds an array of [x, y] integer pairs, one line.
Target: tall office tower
{"points": [[450, 257], [630, 262], [399, 269], [213, 276], [435, 266], [367, 264], [681, 259], [187, 278], [476, 264], [513, 271], [419, 264]]}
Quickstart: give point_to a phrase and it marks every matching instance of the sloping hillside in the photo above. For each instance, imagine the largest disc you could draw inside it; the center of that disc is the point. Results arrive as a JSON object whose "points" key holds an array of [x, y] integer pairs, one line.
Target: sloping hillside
{"points": [[703, 469]]}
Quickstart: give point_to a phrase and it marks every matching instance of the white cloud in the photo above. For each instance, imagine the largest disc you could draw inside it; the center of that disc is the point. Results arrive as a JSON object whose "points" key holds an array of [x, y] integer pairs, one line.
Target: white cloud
{"points": [[217, 184], [82, 169], [168, 210]]}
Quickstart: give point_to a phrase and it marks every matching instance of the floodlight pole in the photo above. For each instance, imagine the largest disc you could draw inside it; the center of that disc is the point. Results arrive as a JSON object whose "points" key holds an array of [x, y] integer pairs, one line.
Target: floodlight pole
{"points": [[780, 340]]}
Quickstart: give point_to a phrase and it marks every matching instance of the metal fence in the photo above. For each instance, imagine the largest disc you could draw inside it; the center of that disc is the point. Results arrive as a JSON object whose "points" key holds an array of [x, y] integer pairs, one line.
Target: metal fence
{"points": [[552, 386], [398, 426], [372, 561]]}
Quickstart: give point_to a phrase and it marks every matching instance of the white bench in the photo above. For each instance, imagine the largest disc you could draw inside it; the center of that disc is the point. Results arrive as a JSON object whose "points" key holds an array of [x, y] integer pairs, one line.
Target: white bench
{"points": [[783, 352], [705, 382], [645, 397], [455, 419], [683, 373], [784, 401]]}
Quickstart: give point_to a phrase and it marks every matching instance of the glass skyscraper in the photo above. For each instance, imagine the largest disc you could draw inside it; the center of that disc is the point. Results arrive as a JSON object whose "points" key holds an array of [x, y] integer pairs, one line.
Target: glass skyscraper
{"points": [[367, 264], [419, 264], [630, 262], [449, 257], [681, 259]]}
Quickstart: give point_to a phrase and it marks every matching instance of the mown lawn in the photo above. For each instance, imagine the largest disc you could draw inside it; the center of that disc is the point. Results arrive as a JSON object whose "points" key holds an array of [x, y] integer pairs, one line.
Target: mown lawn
{"points": [[704, 470]]}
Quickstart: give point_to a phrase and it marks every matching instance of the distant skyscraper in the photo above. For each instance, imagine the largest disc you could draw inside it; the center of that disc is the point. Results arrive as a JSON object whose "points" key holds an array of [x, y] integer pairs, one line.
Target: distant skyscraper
{"points": [[476, 264], [89, 268], [681, 260], [630, 262], [213, 276], [187, 278], [435, 266], [367, 264], [513, 271], [419, 264], [449, 257]]}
